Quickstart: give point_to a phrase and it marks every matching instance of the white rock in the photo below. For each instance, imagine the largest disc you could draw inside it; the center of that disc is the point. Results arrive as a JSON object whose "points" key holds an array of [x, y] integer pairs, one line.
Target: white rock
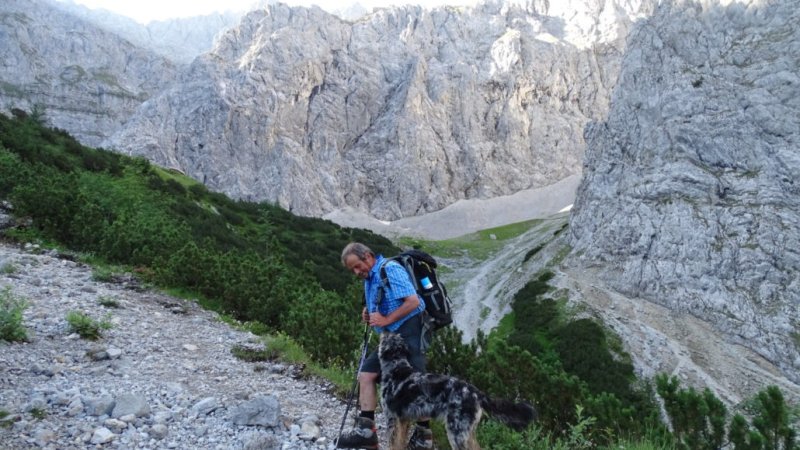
{"points": [[102, 435]]}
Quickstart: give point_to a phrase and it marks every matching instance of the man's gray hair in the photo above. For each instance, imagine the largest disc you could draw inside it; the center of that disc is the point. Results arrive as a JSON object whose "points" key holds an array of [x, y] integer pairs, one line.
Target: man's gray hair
{"points": [[356, 248]]}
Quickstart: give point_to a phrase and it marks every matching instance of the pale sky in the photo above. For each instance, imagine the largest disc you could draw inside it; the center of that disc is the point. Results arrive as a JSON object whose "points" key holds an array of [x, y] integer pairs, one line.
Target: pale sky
{"points": [[146, 10]]}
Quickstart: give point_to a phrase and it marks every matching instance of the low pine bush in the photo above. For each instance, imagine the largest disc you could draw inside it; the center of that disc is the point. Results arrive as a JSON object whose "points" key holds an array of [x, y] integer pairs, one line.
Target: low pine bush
{"points": [[85, 326], [11, 308], [108, 302]]}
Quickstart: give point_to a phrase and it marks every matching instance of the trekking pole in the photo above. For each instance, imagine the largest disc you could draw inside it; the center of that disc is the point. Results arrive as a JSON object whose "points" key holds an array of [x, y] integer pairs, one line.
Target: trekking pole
{"points": [[355, 382]]}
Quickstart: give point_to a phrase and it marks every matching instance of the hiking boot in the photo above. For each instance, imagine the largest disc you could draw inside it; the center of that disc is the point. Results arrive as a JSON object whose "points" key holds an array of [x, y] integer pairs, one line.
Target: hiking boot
{"points": [[363, 435], [422, 439]]}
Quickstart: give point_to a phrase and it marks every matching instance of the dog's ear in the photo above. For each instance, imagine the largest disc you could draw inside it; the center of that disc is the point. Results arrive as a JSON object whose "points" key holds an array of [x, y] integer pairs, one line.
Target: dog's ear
{"points": [[392, 347]]}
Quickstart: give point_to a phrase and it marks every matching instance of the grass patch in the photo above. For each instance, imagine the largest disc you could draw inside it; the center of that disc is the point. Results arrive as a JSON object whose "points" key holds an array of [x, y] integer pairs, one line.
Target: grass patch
{"points": [[11, 309], [249, 354], [103, 274], [290, 351], [8, 269], [26, 234], [207, 303], [179, 178], [5, 419], [651, 439], [38, 413], [287, 348], [504, 328], [108, 302], [257, 328], [482, 244], [85, 326], [509, 231], [559, 257], [479, 245]]}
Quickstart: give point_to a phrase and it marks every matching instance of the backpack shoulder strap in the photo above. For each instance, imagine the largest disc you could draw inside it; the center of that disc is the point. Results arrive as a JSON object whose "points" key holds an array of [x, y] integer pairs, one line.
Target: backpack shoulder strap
{"points": [[406, 262], [384, 282]]}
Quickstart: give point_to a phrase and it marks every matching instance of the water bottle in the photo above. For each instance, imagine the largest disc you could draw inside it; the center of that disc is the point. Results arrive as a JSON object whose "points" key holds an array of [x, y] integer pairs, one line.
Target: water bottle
{"points": [[426, 283]]}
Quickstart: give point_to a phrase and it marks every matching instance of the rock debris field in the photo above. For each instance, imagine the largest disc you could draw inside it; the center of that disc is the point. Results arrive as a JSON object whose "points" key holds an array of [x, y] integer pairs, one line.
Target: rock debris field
{"points": [[163, 376]]}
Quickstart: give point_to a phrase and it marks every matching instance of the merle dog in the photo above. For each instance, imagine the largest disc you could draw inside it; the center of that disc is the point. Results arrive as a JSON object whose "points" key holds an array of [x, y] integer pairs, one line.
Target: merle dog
{"points": [[408, 396]]}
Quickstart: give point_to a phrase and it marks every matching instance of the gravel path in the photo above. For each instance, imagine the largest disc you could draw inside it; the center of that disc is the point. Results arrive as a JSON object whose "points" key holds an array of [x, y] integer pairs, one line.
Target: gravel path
{"points": [[162, 377]]}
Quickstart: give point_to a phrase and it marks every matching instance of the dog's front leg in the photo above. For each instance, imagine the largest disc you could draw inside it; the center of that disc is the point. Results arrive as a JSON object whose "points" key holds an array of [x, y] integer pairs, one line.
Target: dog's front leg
{"points": [[398, 433]]}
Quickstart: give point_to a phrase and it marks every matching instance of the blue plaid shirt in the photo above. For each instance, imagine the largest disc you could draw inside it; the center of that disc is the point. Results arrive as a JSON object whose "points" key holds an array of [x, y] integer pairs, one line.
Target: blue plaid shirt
{"points": [[399, 287]]}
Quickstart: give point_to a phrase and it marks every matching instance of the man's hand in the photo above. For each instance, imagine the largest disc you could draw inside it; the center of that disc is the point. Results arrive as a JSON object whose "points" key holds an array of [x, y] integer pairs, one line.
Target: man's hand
{"points": [[364, 315], [377, 319]]}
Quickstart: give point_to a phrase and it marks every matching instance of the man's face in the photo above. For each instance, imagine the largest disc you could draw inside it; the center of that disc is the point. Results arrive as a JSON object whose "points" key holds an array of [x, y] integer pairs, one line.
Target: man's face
{"points": [[359, 267]]}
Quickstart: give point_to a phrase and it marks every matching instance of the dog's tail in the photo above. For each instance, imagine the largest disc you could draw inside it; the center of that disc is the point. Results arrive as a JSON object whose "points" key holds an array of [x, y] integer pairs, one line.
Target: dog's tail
{"points": [[516, 415]]}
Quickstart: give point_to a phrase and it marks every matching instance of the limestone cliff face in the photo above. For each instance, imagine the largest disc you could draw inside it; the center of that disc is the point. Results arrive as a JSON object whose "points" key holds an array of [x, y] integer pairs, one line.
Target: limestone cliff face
{"points": [[691, 189], [85, 80], [402, 112]]}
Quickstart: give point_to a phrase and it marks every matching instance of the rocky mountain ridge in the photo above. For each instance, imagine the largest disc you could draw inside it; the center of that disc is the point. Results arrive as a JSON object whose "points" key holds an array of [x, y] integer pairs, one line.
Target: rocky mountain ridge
{"points": [[690, 194], [83, 79], [301, 108], [180, 39]]}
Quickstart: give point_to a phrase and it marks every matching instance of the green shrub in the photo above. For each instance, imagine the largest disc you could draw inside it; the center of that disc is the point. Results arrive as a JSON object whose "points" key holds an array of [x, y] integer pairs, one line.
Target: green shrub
{"points": [[198, 190], [324, 324], [8, 268], [582, 349], [742, 437], [532, 252], [231, 216], [6, 419], [577, 436], [103, 274], [493, 435], [656, 440], [249, 354], [38, 413], [97, 160], [49, 198], [698, 419], [142, 233], [190, 267], [774, 419], [11, 309], [12, 171], [449, 355], [85, 326], [108, 302]]}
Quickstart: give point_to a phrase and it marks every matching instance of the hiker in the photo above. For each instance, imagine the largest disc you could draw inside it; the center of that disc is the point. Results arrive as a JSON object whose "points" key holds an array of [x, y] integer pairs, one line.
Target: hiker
{"points": [[399, 311]]}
